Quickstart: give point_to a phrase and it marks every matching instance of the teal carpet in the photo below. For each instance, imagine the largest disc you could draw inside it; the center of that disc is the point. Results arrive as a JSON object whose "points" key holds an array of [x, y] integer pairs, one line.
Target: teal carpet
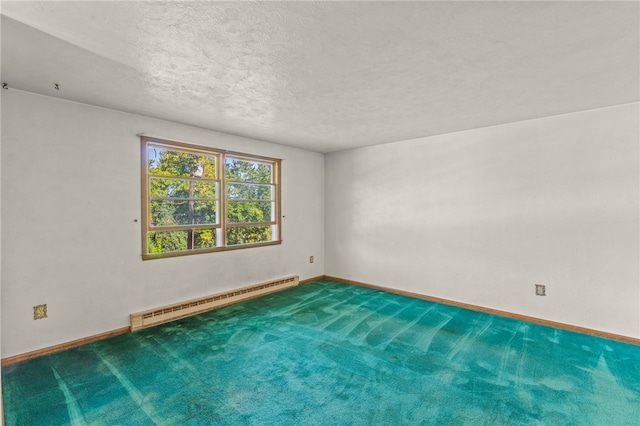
{"points": [[327, 353]]}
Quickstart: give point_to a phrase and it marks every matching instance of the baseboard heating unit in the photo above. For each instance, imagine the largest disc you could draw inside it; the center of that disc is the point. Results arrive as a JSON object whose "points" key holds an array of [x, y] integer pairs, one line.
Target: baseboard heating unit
{"points": [[201, 304]]}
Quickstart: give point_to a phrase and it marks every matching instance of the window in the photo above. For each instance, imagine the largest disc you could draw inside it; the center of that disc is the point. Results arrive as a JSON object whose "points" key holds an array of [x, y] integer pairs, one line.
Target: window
{"points": [[197, 199]]}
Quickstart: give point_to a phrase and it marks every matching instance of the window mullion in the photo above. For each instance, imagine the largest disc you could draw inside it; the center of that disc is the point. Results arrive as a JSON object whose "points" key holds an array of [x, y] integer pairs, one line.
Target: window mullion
{"points": [[250, 224], [168, 228], [223, 200], [183, 199]]}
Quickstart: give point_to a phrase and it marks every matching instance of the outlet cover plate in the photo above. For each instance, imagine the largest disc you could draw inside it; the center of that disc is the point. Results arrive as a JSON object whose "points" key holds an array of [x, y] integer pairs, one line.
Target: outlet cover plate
{"points": [[39, 311]]}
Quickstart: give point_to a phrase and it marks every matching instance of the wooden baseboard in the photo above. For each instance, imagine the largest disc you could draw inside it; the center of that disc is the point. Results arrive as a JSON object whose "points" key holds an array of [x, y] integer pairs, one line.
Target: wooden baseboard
{"points": [[100, 336], [555, 324], [63, 346], [308, 280], [84, 340], [89, 339]]}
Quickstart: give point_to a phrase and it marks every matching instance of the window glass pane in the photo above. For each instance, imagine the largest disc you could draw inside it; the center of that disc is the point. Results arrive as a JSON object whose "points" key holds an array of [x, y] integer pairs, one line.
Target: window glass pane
{"points": [[190, 239], [249, 211], [204, 238], [249, 191], [164, 242], [181, 188], [182, 212], [248, 234], [247, 171], [165, 162]]}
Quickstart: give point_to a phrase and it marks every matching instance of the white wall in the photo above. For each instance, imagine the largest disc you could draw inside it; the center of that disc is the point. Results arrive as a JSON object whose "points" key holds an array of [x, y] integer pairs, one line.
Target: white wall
{"points": [[71, 193], [481, 216], [1, 401], [476, 216]]}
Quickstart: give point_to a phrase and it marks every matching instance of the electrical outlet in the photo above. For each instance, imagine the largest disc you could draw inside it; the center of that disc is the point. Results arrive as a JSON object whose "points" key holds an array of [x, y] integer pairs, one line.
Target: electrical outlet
{"points": [[310, 259], [40, 311], [540, 290]]}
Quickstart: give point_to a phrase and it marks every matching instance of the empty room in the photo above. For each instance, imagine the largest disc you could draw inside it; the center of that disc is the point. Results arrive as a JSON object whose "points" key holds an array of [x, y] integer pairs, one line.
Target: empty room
{"points": [[320, 213]]}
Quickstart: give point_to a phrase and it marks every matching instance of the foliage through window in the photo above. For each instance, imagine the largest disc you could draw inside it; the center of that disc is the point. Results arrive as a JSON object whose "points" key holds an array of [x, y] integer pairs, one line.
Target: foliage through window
{"points": [[197, 199]]}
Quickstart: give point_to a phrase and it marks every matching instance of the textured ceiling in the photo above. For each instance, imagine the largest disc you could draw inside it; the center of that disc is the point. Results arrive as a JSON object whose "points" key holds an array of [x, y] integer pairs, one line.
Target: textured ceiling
{"points": [[327, 76]]}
